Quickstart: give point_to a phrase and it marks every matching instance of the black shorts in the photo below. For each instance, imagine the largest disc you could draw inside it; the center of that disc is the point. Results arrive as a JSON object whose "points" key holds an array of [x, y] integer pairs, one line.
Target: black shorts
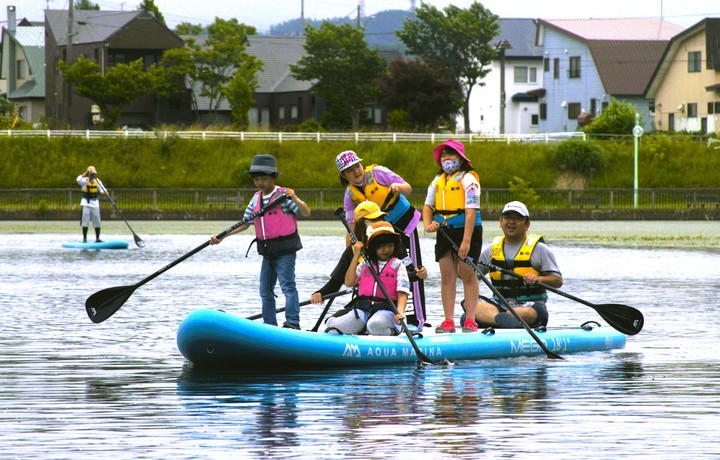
{"points": [[443, 246]]}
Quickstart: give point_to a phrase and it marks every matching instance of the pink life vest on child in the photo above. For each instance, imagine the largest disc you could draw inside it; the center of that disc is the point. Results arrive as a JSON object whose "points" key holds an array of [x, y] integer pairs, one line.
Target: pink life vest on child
{"points": [[274, 223], [369, 288]]}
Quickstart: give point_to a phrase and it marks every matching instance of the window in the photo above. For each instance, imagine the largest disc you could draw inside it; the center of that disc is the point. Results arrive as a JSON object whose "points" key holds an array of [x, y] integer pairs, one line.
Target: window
{"points": [[556, 68], [694, 61], [294, 112], [574, 71], [281, 112], [717, 107], [22, 112], [593, 107], [534, 120], [711, 106], [573, 110], [692, 110], [20, 72], [543, 111], [546, 65], [525, 74], [253, 116]]}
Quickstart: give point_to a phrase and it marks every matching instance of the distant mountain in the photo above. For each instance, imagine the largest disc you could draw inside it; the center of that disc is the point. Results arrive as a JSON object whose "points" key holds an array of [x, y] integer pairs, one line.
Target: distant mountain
{"points": [[379, 28]]}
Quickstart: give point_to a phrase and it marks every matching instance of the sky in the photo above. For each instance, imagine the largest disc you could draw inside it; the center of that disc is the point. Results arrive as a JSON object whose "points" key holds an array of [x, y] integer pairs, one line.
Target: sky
{"points": [[264, 13]]}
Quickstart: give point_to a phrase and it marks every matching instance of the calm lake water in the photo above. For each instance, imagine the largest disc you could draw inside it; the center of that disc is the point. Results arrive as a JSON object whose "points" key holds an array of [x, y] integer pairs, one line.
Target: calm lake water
{"points": [[120, 389]]}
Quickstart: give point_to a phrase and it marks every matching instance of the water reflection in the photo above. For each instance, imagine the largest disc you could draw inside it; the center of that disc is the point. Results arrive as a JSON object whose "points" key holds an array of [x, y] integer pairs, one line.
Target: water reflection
{"points": [[74, 389]]}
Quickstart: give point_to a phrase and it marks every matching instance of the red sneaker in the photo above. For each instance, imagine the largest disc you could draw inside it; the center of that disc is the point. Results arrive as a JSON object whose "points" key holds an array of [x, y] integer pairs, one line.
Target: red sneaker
{"points": [[469, 326], [447, 326]]}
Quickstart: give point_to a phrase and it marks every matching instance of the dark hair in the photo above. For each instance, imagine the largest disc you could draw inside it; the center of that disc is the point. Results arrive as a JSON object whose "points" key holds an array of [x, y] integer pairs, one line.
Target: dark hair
{"points": [[344, 182], [261, 174], [379, 241]]}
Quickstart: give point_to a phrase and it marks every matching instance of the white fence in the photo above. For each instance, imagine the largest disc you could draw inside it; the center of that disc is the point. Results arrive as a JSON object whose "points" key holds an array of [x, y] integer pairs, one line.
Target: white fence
{"points": [[294, 136]]}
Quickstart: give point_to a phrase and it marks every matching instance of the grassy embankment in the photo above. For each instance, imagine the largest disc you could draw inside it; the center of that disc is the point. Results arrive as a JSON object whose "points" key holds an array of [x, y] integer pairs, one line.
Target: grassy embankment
{"points": [[177, 163]]}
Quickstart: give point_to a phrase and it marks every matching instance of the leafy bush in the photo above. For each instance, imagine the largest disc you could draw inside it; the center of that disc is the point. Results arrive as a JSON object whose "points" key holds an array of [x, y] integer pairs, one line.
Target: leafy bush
{"points": [[522, 191], [580, 157], [617, 118]]}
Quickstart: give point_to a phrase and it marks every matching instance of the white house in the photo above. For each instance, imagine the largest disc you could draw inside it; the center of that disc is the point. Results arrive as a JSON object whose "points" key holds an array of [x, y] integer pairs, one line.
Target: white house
{"points": [[523, 84]]}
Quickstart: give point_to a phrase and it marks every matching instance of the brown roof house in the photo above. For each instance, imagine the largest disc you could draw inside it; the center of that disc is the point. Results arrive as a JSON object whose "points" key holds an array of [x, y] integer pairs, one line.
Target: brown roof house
{"points": [[686, 82], [587, 62], [108, 37]]}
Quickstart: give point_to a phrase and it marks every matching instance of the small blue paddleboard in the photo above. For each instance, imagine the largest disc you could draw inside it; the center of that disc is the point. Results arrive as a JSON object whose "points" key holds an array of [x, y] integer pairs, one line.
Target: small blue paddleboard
{"points": [[112, 244]]}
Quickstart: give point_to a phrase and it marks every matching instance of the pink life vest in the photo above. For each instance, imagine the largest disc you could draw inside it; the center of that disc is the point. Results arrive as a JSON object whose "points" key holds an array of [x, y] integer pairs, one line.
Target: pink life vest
{"points": [[274, 223], [369, 288]]}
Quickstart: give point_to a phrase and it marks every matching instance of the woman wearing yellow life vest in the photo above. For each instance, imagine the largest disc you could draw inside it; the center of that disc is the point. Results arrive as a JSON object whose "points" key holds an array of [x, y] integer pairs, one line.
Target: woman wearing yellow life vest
{"points": [[389, 191], [453, 202], [92, 187]]}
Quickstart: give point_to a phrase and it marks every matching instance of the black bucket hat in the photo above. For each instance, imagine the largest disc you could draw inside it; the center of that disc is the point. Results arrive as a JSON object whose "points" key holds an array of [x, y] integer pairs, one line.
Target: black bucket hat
{"points": [[263, 164]]}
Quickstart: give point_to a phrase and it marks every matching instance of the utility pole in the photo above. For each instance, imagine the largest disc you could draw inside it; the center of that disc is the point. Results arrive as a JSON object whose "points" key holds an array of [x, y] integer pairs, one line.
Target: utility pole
{"points": [[68, 57], [302, 17], [502, 45]]}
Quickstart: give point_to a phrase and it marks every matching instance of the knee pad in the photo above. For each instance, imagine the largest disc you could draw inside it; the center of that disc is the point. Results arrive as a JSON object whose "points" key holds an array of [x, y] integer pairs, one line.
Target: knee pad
{"points": [[542, 315], [507, 321]]}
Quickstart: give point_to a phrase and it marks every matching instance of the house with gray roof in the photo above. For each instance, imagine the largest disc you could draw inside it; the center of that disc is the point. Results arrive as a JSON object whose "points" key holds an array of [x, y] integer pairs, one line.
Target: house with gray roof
{"points": [[588, 62], [280, 99], [22, 67], [108, 37]]}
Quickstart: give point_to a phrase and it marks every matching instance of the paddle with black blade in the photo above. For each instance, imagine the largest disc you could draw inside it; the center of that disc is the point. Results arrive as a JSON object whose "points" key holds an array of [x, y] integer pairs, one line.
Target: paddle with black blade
{"points": [[103, 304], [330, 296], [623, 318], [468, 260], [138, 241], [422, 358]]}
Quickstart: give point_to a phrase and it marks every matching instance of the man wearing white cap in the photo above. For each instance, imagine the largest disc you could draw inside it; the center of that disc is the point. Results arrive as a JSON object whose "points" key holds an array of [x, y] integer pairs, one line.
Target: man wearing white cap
{"points": [[527, 255]]}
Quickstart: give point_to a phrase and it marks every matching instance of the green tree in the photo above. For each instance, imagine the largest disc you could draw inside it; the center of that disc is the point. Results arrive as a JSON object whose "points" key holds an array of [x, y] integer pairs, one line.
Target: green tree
{"points": [[216, 67], [150, 7], [86, 5], [121, 85], [239, 91], [422, 92], [456, 42], [186, 28], [617, 118], [344, 68]]}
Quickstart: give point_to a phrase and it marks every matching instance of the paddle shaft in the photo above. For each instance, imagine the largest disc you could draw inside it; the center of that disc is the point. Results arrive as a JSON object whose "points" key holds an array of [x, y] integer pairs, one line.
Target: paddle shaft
{"points": [[420, 355], [138, 241], [306, 302], [103, 304], [503, 301], [624, 318]]}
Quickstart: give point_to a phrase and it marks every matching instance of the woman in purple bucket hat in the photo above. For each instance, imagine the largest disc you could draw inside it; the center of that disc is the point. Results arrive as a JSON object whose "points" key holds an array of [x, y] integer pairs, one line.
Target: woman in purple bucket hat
{"points": [[389, 191]]}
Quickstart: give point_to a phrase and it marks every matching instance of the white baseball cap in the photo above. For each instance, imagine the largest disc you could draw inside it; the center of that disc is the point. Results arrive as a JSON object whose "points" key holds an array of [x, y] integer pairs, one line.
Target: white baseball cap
{"points": [[518, 207]]}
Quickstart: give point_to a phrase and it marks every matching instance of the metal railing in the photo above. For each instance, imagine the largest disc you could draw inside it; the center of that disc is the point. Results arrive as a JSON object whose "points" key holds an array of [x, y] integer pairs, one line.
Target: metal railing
{"points": [[329, 199], [280, 137]]}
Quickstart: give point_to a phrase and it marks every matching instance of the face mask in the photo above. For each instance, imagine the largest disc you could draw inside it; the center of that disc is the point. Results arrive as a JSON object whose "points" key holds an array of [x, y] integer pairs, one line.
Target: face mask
{"points": [[450, 166]]}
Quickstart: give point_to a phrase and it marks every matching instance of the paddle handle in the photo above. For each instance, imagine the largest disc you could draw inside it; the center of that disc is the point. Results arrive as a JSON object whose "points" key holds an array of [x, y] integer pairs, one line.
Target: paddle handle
{"points": [[220, 236]]}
